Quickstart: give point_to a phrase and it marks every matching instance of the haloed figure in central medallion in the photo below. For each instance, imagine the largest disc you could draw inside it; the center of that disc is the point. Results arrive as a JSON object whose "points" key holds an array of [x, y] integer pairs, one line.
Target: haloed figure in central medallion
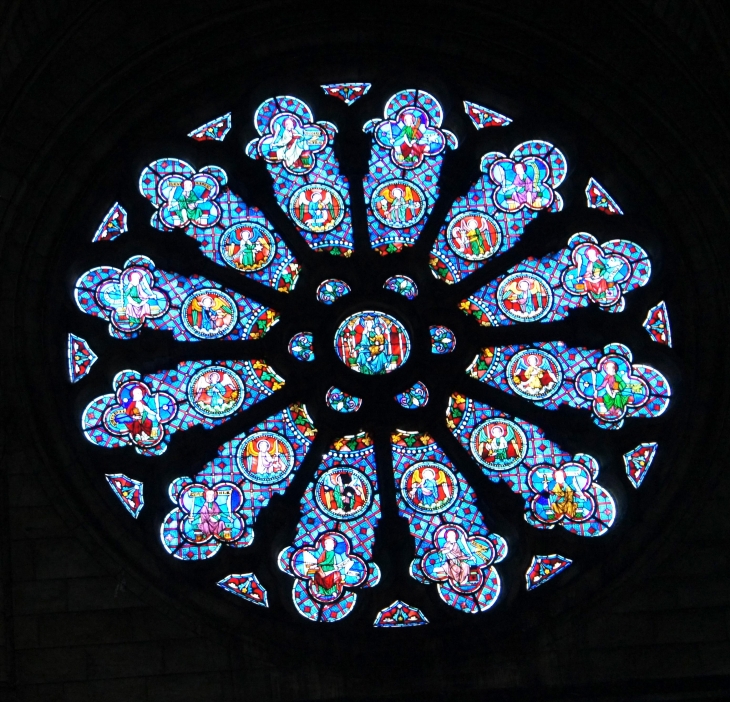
{"points": [[372, 343]]}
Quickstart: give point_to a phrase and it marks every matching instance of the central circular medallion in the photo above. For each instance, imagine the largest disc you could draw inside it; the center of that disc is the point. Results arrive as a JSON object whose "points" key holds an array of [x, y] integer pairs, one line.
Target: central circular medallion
{"points": [[372, 343]]}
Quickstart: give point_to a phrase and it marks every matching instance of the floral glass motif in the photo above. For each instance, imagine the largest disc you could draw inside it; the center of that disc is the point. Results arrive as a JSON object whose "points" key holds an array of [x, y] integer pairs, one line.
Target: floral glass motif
{"points": [[399, 614], [482, 117], [192, 308], [215, 130], [490, 219], [657, 324], [113, 224], [247, 586], [543, 568], [331, 555], [639, 461], [407, 153], [551, 374], [144, 411], [548, 289], [241, 238], [308, 186], [443, 340], [372, 343], [130, 492], [248, 471], [341, 401], [597, 198], [403, 285], [558, 489], [301, 346], [454, 548], [347, 92], [80, 358], [331, 289], [416, 396]]}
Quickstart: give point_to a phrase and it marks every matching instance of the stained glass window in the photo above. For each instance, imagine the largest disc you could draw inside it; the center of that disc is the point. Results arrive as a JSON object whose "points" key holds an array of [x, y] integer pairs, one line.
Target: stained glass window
{"points": [[456, 346]]}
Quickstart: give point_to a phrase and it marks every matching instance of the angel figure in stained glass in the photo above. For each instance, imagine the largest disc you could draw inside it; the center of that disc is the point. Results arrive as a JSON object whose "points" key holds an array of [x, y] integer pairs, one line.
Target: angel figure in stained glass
{"points": [[496, 444], [524, 298], [426, 492], [471, 239], [265, 459], [215, 391], [243, 251], [406, 141], [208, 313], [316, 209], [533, 375], [395, 203]]}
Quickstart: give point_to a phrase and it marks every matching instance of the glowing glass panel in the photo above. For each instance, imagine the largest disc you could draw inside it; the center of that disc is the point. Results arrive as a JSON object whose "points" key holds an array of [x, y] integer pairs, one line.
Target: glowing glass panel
{"points": [[300, 346], [331, 555], [347, 92], [597, 198], [558, 489], [229, 232], [144, 411], [548, 289], [416, 396], [443, 340], [403, 285], [399, 614], [130, 492], [247, 586], [490, 219], [543, 568], [372, 343], [80, 358], [331, 289], [482, 117], [215, 130], [639, 461], [407, 153], [113, 224], [193, 309], [454, 548], [308, 185], [657, 324], [551, 374], [341, 401], [220, 504]]}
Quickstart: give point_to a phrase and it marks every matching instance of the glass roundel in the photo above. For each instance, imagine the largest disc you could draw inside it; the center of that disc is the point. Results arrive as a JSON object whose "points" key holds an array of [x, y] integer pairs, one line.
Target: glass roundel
{"points": [[372, 343], [457, 425]]}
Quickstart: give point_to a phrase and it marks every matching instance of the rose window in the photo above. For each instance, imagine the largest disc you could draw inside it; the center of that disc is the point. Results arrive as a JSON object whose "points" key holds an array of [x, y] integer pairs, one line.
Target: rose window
{"points": [[360, 343]]}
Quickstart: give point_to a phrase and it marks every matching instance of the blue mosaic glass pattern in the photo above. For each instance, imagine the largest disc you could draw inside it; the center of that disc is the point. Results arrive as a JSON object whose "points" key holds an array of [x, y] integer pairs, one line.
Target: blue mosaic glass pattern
{"points": [[252, 467], [331, 555], [144, 411], [551, 374], [193, 308], [558, 489], [229, 232], [548, 289], [407, 154], [308, 186], [490, 219], [454, 548]]}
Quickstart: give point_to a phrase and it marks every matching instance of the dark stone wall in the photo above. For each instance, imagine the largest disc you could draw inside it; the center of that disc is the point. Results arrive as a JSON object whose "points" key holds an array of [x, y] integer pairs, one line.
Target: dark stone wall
{"points": [[87, 612]]}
